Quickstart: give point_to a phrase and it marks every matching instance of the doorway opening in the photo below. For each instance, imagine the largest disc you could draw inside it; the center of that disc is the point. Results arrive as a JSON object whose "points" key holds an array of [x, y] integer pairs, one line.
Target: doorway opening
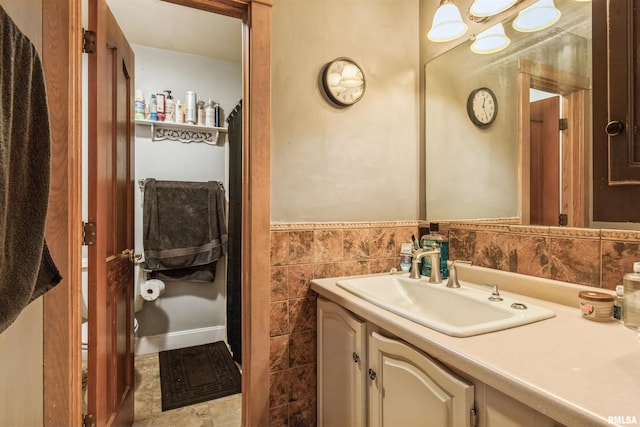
{"points": [[565, 202], [189, 313]]}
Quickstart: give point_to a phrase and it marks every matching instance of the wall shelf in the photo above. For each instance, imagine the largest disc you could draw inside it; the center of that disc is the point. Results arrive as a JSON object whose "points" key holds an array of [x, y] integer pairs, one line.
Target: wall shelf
{"points": [[185, 133]]}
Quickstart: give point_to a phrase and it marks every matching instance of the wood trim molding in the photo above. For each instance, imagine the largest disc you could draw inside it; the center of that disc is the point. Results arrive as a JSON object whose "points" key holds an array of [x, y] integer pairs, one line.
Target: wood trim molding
{"points": [[256, 194], [551, 79], [233, 8], [62, 63]]}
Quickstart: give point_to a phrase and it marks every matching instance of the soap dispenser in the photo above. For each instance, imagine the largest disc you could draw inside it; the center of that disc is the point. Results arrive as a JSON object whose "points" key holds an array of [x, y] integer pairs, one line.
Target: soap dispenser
{"points": [[441, 242]]}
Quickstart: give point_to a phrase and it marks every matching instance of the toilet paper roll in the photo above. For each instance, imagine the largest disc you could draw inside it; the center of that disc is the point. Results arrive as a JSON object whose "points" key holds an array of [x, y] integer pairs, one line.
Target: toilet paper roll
{"points": [[152, 289]]}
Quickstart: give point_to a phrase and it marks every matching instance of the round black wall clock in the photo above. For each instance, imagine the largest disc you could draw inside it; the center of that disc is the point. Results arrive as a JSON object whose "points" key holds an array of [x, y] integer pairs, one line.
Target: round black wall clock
{"points": [[482, 107]]}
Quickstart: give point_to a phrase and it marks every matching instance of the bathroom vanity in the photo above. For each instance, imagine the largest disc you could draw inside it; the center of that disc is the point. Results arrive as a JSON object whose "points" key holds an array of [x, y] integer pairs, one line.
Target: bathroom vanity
{"points": [[378, 368]]}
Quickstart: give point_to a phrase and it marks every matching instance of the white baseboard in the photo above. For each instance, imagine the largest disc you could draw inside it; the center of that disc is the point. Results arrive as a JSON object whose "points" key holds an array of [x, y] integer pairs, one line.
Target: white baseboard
{"points": [[180, 339]]}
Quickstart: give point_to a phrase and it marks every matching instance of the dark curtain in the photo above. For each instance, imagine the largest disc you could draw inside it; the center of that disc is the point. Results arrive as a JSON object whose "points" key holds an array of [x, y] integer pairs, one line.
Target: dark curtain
{"points": [[234, 266]]}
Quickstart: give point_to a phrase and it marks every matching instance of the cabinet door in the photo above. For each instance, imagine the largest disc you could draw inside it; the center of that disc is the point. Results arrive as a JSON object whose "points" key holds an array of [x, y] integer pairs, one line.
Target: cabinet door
{"points": [[341, 364], [408, 388], [616, 111]]}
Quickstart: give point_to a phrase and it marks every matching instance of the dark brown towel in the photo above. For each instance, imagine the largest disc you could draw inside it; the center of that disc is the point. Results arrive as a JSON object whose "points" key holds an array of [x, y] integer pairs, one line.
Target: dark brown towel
{"points": [[26, 268], [184, 229]]}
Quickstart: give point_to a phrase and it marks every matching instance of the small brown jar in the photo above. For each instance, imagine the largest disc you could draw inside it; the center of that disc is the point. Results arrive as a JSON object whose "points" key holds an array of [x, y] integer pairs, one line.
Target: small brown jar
{"points": [[596, 306]]}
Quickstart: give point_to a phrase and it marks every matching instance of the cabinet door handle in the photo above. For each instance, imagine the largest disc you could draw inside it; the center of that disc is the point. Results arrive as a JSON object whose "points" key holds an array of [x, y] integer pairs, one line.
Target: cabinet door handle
{"points": [[614, 128], [372, 374], [355, 356]]}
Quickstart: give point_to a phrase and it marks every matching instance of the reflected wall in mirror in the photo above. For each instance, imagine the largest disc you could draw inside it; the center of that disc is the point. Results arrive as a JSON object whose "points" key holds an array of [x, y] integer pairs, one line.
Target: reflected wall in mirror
{"points": [[522, 168]]}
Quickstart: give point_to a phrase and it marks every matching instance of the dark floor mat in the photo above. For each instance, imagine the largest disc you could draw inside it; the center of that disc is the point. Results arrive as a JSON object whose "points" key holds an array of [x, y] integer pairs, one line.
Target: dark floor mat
{"points": [[197, 374]]}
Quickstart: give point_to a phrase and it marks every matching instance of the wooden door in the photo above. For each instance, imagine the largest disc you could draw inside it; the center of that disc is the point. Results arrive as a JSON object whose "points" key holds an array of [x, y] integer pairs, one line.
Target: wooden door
{"points": [[545, 161], [408, 388], [110, 193]]}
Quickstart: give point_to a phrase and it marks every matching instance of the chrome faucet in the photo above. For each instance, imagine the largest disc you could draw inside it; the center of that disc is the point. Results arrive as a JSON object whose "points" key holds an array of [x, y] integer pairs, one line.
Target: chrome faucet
{"points": [[434, 257]]}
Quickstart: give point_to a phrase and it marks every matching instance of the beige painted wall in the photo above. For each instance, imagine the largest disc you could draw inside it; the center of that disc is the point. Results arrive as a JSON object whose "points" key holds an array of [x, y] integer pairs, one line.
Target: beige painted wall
{"points": [[21, 394], [355, 164]]}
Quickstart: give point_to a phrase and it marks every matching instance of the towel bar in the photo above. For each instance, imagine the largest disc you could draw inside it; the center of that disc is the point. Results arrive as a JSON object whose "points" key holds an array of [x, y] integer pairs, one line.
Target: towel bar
{"points": [[141, 184]]}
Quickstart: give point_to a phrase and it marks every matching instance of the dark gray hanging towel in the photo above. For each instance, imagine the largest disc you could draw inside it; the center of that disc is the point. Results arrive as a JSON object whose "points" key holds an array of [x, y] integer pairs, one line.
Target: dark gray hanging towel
{"points": [[234, 259], [26, 268], [184, 229]]}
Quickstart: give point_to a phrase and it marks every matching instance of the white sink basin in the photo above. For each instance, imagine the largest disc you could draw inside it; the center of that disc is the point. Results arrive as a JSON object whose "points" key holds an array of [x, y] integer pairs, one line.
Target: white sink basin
{"points": [[460, 312]]}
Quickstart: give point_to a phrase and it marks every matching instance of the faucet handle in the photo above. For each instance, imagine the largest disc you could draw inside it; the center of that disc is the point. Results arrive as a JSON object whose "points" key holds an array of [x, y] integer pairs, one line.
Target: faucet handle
{"points": [[495, 294], [453, 274]]}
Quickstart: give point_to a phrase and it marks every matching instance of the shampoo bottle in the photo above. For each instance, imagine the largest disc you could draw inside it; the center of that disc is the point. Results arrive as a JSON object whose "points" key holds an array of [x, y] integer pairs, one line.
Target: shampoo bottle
{"points": [[209, 118], [161, 106], [153, 108], [139, 105], [179, 112], [170, 108]]}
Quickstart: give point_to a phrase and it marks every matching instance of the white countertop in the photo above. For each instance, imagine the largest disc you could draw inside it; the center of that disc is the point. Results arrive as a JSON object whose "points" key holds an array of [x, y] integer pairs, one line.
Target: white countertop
{"points": [[576, 371]]}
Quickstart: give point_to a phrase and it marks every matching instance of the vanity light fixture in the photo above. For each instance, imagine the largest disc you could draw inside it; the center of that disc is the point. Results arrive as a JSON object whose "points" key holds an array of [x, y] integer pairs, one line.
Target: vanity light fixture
{"points": [[447, 23], [538, 16], [490, 41], [484, 8]]}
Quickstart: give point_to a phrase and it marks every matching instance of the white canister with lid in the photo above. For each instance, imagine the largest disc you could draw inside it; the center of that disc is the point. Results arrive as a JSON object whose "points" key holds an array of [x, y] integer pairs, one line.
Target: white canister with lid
{"points": [[631, 304], [596, 306]]}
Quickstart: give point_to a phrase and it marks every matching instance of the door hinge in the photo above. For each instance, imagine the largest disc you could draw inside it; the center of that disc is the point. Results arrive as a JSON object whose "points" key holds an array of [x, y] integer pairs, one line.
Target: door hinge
{"points": [[88, 41], [473, 417], [563, 124], [88, 420], [88, 233], [563, 219]]}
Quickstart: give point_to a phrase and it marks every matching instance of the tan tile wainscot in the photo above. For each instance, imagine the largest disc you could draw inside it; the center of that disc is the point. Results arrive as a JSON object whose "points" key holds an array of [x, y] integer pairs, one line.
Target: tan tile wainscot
{"points": [[301, 252]]}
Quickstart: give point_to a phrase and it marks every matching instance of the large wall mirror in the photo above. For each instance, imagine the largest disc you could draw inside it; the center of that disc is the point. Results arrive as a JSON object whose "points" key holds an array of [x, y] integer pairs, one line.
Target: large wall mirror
{"points": [[531, 164]]}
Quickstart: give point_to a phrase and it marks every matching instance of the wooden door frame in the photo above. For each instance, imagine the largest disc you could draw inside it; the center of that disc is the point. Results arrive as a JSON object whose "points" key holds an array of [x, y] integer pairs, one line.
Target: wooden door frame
{"points": [[62, 58], [573, 88], [62, 62]]}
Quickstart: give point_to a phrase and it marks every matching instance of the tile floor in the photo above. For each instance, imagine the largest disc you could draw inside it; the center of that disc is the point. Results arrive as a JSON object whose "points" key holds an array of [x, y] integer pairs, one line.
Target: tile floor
{"points": [[223, 412]]}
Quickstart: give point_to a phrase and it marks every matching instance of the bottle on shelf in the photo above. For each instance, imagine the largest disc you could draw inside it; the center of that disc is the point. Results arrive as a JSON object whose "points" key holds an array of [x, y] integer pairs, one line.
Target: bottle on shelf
{"points": [[139, 105], [209, 116], [179, 112], [217, 113], [161, 106], [170, 107], [200, 115], [153, 108], [190, 112]]}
